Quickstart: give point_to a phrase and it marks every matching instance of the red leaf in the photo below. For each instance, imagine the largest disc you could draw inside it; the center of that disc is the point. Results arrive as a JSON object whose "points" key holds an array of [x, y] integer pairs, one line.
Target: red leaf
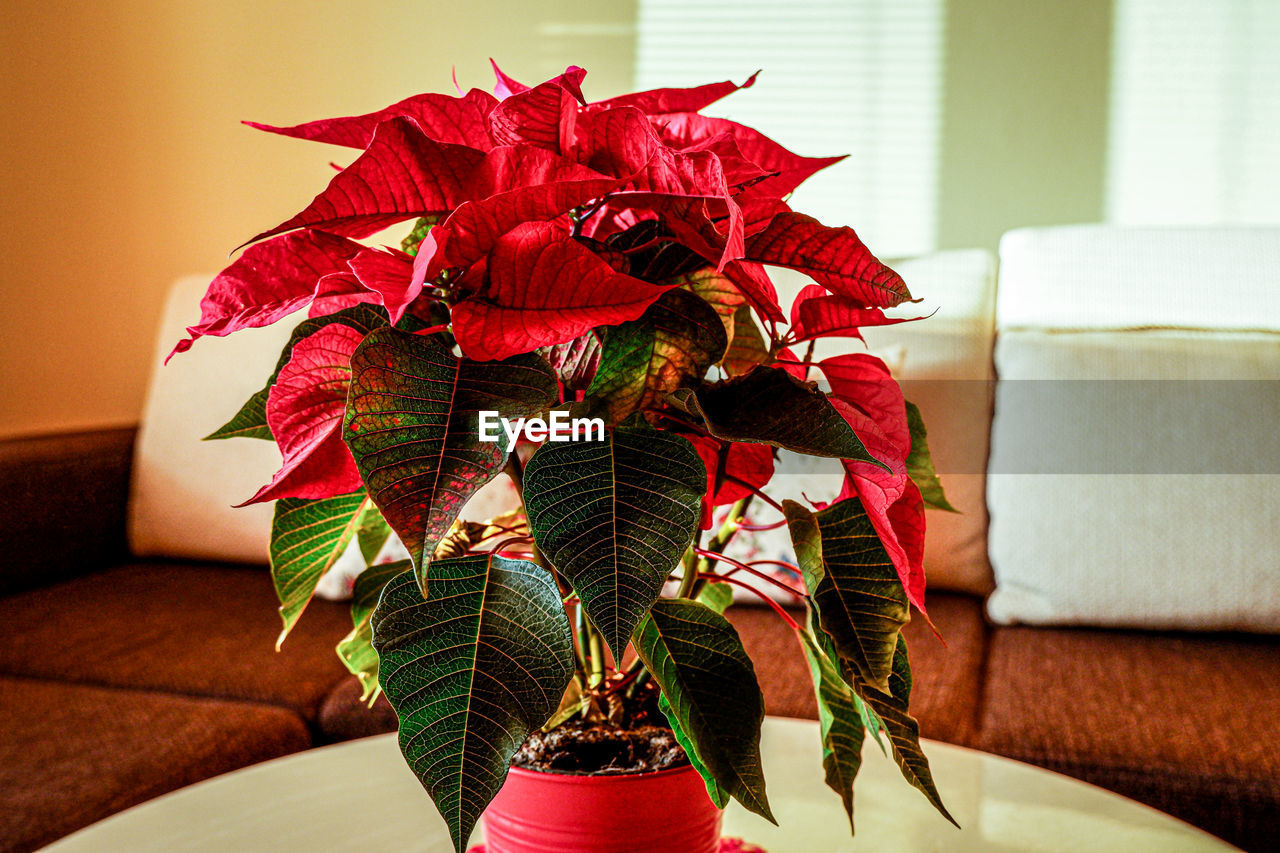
{"points": [[304, 410], [389, 274], [791, 363], [907, 519], [506, 86], [739, 170], [688, 129], [756, 285], [513, 184], [338, 291], [544, 116], [458, 121], [657, 101], [901, 528], [621, 142], [510, 167], [750, 463], [864, 381], [833, 257], [471, 231], [544, 288], [269, 281], [402, 175], [871, 402], [819, 314]]}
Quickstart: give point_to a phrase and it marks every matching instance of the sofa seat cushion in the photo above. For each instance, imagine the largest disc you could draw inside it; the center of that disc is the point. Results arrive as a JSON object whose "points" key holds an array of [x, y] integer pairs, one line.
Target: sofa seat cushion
{"points": [[1185, 723], [73, 754], [200, 630], [343, 716]]}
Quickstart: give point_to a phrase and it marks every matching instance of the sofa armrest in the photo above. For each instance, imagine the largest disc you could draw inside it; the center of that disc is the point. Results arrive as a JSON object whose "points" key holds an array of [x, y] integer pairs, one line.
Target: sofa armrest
{"points": [[63, 500]]}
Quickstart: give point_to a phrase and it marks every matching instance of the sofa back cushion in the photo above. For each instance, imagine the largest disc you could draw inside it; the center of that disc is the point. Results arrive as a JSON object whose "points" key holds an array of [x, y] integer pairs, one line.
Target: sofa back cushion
{"points": [[183, 489], [944, 364], [947, 370], [1134, 477]]}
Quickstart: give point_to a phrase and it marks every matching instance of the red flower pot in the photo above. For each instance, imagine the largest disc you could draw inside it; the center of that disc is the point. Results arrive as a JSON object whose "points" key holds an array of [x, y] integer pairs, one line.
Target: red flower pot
{"points": [[663, 812]]}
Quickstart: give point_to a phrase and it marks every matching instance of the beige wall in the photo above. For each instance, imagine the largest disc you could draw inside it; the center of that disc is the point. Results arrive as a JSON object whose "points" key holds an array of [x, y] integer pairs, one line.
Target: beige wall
{"points": [[1024, 117], [126, 167]]}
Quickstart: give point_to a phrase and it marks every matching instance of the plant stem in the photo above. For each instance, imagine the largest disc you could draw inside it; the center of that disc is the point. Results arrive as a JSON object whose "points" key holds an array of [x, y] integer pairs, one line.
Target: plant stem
{"points": [[596, 645], [718, 542]]}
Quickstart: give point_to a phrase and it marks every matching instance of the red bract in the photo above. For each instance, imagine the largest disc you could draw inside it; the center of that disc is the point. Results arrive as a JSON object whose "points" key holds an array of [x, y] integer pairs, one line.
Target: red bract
{"points": [[403, 174], [871, 402], [819, 314], [658, 101], [733, 463], [268, 282], [543, 287], [834, 257], [544, 116], [506, 86], [388, 274], [459, 121], [688, 129], [304, 410]]}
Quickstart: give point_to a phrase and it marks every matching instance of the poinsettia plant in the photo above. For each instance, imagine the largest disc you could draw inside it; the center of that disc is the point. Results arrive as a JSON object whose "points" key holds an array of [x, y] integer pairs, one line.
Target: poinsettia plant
{"points": [[601, 260]]}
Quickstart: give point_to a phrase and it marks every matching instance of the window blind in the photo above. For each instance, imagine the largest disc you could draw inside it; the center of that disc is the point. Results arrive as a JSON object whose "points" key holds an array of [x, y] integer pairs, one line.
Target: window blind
{"points": [[857, 77], [1195, 112]]}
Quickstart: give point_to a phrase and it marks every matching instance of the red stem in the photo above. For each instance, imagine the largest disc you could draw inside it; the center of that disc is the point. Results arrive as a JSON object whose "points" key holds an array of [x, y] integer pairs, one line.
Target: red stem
{"points": [[773, 526], [777, 608], [791, 567], [761, 495], [703, 552]]}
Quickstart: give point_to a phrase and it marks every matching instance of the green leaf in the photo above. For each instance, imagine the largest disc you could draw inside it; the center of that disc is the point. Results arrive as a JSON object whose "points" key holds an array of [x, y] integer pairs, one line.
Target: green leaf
{"points": [[307, 538], [840, 721], [574, 702], [718, 292], [372, 534], [614, 517], [920, 463], [471, 672], [748, 348], [356, 649], [902, 728], [860, 602], [712, 697], [412, 426], [770, 406], [251, 420], [676, 340], [409, 245], [716, 595], [719, 796]]}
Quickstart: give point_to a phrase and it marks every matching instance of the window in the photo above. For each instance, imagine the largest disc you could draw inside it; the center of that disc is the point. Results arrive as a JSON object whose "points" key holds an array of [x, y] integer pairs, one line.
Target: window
{"points": [[1195, 112], [857, 77]]}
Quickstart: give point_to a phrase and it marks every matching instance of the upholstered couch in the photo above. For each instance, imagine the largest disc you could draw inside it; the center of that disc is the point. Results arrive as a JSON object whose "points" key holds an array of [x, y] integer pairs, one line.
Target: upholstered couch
{"points": [[1130, 641]]}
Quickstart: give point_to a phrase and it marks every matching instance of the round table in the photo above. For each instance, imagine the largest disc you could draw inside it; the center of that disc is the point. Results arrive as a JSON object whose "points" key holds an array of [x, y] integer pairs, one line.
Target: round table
{"points": [[360, 796]]}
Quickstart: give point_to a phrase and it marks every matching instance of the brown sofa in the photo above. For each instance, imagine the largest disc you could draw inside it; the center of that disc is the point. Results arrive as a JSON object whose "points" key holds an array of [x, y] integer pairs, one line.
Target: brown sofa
{"points": [[124, 679]]}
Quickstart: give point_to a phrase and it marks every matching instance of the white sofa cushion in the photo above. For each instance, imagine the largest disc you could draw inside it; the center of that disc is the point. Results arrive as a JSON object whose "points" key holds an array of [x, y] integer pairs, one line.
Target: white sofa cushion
{"points": [[1153, 502], [184, 489], [948, 373]]}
